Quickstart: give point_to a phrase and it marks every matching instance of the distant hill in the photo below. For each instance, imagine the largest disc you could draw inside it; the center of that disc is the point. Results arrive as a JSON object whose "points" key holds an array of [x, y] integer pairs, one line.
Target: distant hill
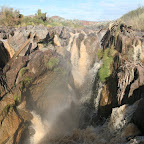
{"points": [[87, 23], [135, 18], [82, 23], [58, 18]]}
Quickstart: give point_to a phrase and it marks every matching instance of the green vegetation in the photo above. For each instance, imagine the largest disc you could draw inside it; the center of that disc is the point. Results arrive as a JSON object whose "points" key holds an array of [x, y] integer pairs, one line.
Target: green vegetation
{"points": [[105, 70], [41, 16], [135, 18], [11, 17], [100, 54], [27, 81], [60, 70], [22, 71], [52, 63], [17, 98], [7, 109]]}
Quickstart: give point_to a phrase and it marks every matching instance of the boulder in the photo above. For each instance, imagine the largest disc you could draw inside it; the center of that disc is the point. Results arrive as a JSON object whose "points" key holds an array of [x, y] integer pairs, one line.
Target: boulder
{"points": [[121, 117], [36, 63]]}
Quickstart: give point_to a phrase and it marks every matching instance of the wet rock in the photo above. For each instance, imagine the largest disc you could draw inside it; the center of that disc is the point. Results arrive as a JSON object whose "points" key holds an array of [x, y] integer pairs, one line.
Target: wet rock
{"points": [[137, 140], [121, 116], [26, 116], [130, 131], [138, 117]]}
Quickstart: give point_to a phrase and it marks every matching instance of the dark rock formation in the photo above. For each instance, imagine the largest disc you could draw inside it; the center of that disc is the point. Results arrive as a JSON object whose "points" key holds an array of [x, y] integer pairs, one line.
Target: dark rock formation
{"points": [[138, 117], [125, 83], [4, 55]]}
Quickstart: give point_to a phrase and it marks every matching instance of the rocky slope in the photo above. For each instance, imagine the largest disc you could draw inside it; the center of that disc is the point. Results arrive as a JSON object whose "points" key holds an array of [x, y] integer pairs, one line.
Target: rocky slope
{"points": [[72, 79]]}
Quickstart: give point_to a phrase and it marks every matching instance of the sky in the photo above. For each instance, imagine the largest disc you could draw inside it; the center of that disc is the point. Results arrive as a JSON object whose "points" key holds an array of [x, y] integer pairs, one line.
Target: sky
{"points": [[91, 10]]}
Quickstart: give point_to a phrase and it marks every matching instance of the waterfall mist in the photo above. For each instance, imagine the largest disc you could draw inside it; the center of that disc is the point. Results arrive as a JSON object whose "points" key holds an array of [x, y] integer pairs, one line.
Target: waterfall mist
{"points": [[63, 114]]}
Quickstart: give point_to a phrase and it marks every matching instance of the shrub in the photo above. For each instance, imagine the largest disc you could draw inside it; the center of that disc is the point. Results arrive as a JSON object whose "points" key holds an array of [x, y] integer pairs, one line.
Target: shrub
{"points": [[105, 70], [41, 16], [32, 21], [52, 63], [10, 17]]}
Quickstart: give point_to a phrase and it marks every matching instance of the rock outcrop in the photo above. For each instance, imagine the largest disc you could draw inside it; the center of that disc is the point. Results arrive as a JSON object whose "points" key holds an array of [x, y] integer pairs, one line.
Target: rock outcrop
{"points": [[126, 69]]}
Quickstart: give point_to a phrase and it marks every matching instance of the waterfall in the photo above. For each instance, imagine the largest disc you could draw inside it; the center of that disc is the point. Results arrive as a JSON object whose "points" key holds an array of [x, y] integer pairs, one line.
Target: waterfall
{"points": [[39, 127], [64, 114]]}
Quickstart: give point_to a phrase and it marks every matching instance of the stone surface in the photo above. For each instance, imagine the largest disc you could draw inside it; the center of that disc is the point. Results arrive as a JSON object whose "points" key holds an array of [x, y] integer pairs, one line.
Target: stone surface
{"points": [[36, 63], [138, 117], [131, 130], [9, 127], [16, 65]]}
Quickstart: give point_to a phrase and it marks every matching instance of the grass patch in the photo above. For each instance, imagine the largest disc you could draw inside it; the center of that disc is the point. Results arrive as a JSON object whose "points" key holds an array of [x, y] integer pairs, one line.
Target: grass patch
{"points": [[52, 63], [17, 98], [105, 70]]}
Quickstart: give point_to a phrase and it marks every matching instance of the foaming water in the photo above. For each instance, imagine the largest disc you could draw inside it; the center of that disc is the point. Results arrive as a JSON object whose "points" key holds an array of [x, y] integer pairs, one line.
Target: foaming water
{"points": [[39, 127], [59, 121]]}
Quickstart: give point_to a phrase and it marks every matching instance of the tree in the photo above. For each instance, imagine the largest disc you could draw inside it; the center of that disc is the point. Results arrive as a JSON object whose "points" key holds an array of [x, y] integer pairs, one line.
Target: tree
{"points": [[41, 15]]}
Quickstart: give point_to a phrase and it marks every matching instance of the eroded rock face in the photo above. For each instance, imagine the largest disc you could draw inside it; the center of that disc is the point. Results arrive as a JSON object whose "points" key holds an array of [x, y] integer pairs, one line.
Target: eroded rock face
{"points": [[125, 82]]}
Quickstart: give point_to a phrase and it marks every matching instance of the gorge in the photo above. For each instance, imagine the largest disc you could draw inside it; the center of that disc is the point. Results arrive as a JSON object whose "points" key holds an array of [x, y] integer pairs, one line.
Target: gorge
{"points": [[72, 86]]}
